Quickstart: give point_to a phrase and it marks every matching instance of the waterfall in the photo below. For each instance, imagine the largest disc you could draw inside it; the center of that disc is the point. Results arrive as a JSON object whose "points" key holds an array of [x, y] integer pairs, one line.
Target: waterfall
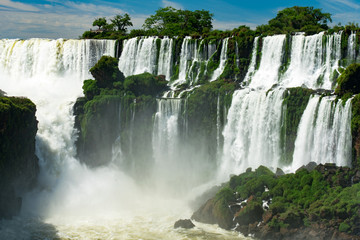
{"points": [[165, 57], [139, 56], [351, 50], [312, 62], [166, 130], [166, 143], [268, 73], [188, 52], [252, 66], [51, 73], [44, 58], [155, 55], [324, 134], [252, 132], [223, 59]]}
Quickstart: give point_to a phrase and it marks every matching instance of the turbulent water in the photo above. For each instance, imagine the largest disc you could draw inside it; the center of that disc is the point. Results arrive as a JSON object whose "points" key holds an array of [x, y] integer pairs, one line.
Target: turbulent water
{"points": [[74, 202], [252, 134]]}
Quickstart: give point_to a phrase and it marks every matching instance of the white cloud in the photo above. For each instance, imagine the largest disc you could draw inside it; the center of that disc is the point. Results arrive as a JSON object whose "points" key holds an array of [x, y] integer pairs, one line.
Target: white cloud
{"points": [[348, 3], [166, 3], [59, 19], [17, 5], [92, 8]]}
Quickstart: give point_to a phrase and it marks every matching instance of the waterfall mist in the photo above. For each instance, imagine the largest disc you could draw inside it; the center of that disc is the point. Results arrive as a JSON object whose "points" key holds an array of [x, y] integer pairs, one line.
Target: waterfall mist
{"points": [[165, 155], [51, 73]]}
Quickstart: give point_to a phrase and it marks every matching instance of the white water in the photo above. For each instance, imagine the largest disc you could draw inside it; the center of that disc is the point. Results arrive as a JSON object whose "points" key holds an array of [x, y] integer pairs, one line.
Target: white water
{"points": [[72, 201], [252, 66], [105, 203], [138, 56], [252, 132], [306, 61], [165, 57], [312, 62], [188, 52], [324, 134], [272, 52], [351, 51], [179, 161], [223, 59]]}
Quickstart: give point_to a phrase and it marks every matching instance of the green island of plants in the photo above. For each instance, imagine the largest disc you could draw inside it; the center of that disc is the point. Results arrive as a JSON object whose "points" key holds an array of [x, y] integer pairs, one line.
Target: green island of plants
{"points": [[322, 199], [110, 101]]}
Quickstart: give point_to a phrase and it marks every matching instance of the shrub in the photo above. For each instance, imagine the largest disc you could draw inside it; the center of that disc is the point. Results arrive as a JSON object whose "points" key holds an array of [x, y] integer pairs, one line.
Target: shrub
{"points": [[349, 80], [106, 72]]}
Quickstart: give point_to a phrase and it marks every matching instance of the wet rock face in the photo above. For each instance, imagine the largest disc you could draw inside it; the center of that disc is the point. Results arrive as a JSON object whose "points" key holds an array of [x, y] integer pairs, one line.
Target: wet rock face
{"points": [[18, 163], [184, 223]]}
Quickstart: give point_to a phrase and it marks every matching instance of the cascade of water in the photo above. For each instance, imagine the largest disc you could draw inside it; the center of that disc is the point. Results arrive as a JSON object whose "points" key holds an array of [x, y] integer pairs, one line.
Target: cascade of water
{"points": [[165, 134], [139, 56], [252, 66], [50, 73], [117, 155], [351, 50], [268, 73], [223, 59], [187, 53], [333, 56], [166, 140], [324, 133], [306, 61], [252, 132], [312, 63], [51, 58], [218, 124], [165, 57]]}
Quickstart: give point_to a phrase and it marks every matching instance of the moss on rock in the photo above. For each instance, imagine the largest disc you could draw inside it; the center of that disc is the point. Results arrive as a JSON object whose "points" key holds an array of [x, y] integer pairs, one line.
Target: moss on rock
{"points": [[18, 162]]}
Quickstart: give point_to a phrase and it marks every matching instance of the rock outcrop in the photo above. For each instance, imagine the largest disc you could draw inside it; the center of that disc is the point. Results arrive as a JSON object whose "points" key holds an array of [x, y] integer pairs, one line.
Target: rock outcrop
{"points": [[317, 202], [18, 162]]}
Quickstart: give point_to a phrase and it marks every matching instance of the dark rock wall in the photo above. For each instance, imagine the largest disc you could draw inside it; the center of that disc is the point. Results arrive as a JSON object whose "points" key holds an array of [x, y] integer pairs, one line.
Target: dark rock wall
{"points": [[18, 162]]}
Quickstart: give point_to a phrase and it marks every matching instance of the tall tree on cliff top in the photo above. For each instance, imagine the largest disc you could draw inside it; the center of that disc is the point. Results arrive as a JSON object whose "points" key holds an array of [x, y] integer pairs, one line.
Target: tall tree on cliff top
{"points": [[100, 22], [122, 22], [170, 21], [297, 19]]}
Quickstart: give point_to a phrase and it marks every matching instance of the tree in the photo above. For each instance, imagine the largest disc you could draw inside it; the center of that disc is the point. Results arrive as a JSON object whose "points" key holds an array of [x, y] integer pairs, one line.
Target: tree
{"points": [[106, 72], [170, 21], [122, 22], [100, 22], [295, 19]]}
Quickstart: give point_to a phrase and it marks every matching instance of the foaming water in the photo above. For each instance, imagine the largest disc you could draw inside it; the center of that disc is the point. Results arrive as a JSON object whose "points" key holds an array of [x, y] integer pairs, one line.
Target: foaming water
{"points": [[72, 201]]}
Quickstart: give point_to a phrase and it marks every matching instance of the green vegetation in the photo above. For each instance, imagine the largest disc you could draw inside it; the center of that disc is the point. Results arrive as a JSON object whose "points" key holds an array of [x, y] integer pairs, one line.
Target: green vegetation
{"points": [[106, 72], [355, 129], [108, 110], [100, 23], [122, 22], [326, 194], [18, 162], [169, 21], [114, 30], [294, 104], [172, 22], [297, 19], [349, 80], [145, 84]]}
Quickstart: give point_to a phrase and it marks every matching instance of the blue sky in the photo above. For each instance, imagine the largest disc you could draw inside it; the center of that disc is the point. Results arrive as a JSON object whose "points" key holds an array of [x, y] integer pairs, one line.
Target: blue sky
{"points": [[70, 18]]}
